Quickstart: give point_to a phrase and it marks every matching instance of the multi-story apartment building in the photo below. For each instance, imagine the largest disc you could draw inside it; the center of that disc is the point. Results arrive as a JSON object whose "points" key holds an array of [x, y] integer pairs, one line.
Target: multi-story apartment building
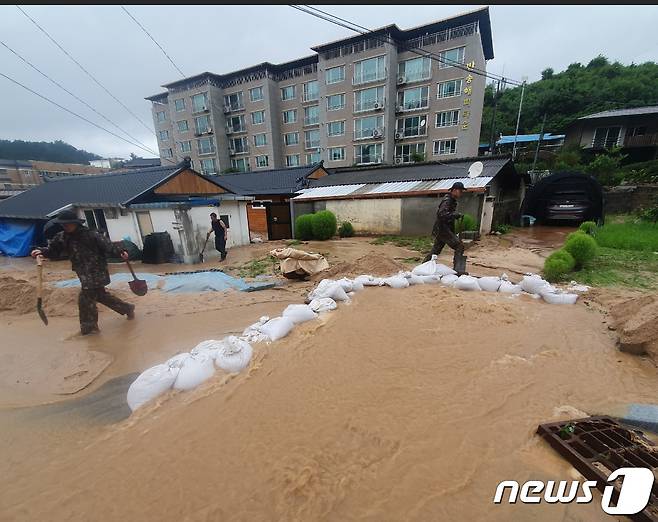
{"points": [[390, 96]]}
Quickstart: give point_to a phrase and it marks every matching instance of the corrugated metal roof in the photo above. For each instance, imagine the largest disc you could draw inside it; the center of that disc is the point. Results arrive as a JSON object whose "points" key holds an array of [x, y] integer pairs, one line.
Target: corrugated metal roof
{"points": [[328, 192], [469, 183], [274, 181], [622, 112], [400, 186]]}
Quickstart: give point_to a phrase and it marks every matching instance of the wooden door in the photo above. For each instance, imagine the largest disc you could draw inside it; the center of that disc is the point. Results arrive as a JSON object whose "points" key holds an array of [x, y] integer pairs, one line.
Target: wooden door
{"points": [[278, 221]]}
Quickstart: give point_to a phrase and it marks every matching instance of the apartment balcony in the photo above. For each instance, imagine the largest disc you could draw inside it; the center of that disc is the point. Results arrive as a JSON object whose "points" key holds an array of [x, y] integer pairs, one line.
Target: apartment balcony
{"points": [[234, 107], [310, 97], [233, 151], [207, 152], [402, 134], [369, 78], [369, 134], [369, 159], [375, 105], [645, 140], [416, 105], [235, 129], [203, 132], [311, 121], [309, 145]]}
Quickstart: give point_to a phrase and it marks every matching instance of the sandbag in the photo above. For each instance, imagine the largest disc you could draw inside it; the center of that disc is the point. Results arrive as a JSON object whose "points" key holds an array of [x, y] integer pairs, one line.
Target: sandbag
{"points": [[489, 284], [559, 298], [416, 280], [431, 279], [324, 304], [442, 270], [252, 333], [299, 313], [329, 288], [506, 287], [427, 268], [177, 360], [449, 279], [150, 384], [209, 347], [395, 282], [277, 328], [368, 280], [234, 355], [534, 284], [195, 370], [357, 286], [345, 283], [466, 282]]}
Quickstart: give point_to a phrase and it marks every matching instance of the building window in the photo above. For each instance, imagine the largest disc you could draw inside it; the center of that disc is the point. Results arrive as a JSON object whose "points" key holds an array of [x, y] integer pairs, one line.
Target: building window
{"points": [[449, 89], [208, 166], [233, 102], [288, 93], [443, 147], [370, 127], [371, 153], [164, 135], [451, 57], [292, 160], [370, 70], [290, 116], [167, 153], [202, 124], [206, 145], [335, 102], [312, 115], [260, 140], [182, 126], [606, 137], [409, 152], [256, 94], [235, 124], [335, 74], [311, 91], [240, 164], [258, 117], [336, 153], [291, 138], [161, 116], [447, 118], [200, 102], [369, 99], [336, 128], [313, 158], [412, 126], [179, 104], [415, 70], [312, 139], [238, 145], [186, 146], [414, 99], [262, 162]]}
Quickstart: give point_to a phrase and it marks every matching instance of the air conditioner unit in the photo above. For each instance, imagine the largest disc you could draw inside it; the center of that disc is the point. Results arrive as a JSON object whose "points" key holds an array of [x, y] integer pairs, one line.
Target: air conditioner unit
{"points": [[209, 131], [399, 108], [398, 136], [399, 160], [227, 109], [378, 105], [376, 133], [401, 80]]}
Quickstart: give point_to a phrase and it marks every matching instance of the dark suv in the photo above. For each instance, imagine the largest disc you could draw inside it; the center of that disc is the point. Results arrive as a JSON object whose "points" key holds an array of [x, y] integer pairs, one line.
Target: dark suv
{"points": [[568, 205]]}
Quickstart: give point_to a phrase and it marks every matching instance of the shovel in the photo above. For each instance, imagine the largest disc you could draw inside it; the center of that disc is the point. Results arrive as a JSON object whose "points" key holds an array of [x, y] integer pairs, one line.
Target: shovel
{"points": [[138, 286], [40, 311], [203, 250]]}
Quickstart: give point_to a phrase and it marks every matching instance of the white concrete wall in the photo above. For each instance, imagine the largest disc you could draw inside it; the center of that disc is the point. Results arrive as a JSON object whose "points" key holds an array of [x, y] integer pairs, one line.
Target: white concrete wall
{"points": [[375, 216], [124, 226], [237, 213]]}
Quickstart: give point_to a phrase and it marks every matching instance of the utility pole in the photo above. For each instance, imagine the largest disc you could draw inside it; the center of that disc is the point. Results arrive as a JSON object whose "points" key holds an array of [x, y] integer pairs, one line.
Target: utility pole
{"points": [[541, 137], [493, 118], [518, 119]]}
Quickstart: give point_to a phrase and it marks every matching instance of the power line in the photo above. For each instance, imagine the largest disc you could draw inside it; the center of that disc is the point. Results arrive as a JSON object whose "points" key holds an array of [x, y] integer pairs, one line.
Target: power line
{"points": [[26, 61], [154, 40], [84, 70]]}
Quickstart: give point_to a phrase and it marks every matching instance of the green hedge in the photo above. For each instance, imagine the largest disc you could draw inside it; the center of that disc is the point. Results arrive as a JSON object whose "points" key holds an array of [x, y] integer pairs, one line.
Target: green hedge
{"points": [[304, 227], [324, 225], [589, 227], [558, 265], [466, 223], [582, 247], [346, 229]]}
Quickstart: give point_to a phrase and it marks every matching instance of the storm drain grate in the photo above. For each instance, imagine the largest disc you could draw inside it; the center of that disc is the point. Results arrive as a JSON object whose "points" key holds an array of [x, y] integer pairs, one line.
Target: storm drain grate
{"points": [[597, 446]]}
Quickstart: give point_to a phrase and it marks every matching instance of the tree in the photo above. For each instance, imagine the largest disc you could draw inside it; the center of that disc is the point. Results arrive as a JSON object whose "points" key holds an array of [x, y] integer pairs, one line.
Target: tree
{"points": [[605, 167], [547, 73], [56, 151]]}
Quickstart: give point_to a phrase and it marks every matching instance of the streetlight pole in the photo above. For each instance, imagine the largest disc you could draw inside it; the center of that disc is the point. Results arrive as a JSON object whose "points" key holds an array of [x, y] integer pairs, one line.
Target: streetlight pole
{"points": [[518, 118]]}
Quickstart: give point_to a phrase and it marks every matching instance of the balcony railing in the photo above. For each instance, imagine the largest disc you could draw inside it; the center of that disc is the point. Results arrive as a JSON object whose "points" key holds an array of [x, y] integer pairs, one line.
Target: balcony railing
{"points": [[367, 159], [233, 107], [646, 140], [369, 105], [233, 129], [369, 134], [310, 96], [368, 77], [604, 143], [413, 105], [313, 144], [314, 120]]}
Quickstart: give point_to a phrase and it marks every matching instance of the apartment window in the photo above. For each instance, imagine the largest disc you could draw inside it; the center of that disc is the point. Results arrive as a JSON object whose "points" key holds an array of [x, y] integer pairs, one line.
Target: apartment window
{"points": [[200, 102], [312, 139], [161, 116], [311, 91], [258, 117], [336, 128], [606, 137], [449, 89], [240, 164], [290, 116], [335, 102], [182, 126], [409, 152], [164, 135], [260, 140], [206, 145], [336, 153], [291, 138], [288, 93], [335, 74], [447, 118], [443, 147], [262, 162], [238, 145], [370, 70], [202, 124], [208, 166], [167, 153], [451, 57], [369, 99], [292, 160], [235, 124], [371, 153], [312, 115], [186, 146], [179, 104], [256, 94], [366, 127], [416, 69], [414, 99], [234, 102], [412, 126], [313, 157]]}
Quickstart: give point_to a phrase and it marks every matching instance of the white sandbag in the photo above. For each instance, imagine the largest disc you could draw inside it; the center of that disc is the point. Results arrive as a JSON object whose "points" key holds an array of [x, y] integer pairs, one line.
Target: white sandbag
{"points": [[507, 287], [443, 270], [431, 279], [357, 286], [559, 298], [395, 282], [466, 282], [177, 360], [534, 284], [325, 304], [210, 347], [278, 327], [299, 313], [417, 280], [368, 280], [234, 355], [449, 279], [195, 370], [346, 284], [489, 284], [329, 288], [427, 268], [150, 384]]}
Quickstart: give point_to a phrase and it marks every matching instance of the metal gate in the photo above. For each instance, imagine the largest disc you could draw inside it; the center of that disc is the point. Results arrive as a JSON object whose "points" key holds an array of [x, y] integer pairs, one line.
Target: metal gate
{"points": [[278, 221]]}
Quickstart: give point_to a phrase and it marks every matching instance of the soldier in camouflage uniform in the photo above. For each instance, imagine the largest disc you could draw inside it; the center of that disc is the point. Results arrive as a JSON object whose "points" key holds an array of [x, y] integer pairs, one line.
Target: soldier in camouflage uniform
{"points": [[88, 251]]}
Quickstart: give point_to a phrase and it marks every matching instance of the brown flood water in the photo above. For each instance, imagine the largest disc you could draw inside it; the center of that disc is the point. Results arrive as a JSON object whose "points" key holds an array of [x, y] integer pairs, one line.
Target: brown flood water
{"points": [[404, 405]]}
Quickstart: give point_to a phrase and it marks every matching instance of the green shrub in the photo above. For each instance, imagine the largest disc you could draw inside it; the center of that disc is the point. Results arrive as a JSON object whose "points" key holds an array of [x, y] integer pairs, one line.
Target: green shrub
{"points": [[502, 229], [304, 227], [324, 225], [589, 227], [582, 247], [466, 223], [558, 264], [346, 229]]}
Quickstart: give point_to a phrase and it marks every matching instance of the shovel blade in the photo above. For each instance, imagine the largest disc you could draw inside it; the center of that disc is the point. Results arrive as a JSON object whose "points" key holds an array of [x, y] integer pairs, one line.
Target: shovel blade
{"points": [[40, 311], [138, 287]]}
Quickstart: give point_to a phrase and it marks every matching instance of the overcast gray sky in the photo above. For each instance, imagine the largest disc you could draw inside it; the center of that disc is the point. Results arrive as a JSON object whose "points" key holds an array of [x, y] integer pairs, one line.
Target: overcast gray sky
{"points": [[220, 39]]}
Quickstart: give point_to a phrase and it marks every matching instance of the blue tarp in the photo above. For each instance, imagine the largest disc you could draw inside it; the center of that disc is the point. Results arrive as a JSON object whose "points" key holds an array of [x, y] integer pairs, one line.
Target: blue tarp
{"points": [[16, 237]]}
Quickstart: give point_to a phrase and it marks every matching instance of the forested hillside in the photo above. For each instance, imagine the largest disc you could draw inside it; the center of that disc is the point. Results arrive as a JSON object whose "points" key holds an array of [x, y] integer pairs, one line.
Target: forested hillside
{"points": [[57, 151]]}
